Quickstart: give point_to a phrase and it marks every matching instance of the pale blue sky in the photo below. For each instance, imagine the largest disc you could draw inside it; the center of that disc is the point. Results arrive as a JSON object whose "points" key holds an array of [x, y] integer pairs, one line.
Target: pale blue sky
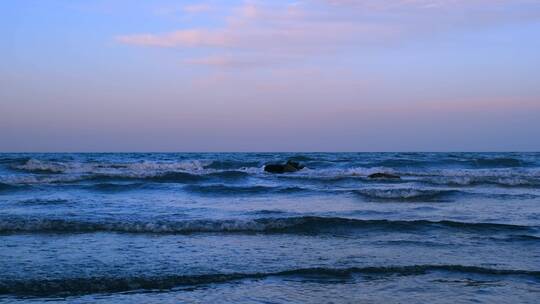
{"points": [[314, 75]]}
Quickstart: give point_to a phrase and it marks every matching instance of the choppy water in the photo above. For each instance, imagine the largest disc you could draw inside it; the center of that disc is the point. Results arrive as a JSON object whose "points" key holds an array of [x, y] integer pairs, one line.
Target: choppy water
{"points": [[212, 228]]}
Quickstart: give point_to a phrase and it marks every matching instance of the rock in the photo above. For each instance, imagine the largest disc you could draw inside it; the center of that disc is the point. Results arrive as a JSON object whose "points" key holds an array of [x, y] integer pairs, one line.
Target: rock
{"points": [[383, 175], [290, 166], [295, 165], [274, 168]]}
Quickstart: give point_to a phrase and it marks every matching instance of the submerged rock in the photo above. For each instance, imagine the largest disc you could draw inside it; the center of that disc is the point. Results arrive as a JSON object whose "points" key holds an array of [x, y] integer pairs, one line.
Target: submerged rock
{"points": [[289, 166], [383, 175]]}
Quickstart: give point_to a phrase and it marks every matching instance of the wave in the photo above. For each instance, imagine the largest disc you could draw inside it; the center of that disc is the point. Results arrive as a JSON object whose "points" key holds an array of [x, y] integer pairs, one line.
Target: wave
{"points": [[163, 177], [503, 176], [517, 237], [197, 171], [181, 172], [397, 163], [459, 161], [175, 177], [164, 171], [408, 194], [73, 167], [228, 174], [171, 177], [509, 182], [236, 190], [38, 201], [267, 212], [498, 162], [44, 167], [340, 174], [306, 158], [302, 224], [360, 168], [9, 187], [114, 187], [14, 160], [109, 284], [476, 173], [231, 165]]}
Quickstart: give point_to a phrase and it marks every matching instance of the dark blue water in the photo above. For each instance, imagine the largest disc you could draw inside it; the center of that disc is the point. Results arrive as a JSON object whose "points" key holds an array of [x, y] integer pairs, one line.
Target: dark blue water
{"points": [[215, 228]]}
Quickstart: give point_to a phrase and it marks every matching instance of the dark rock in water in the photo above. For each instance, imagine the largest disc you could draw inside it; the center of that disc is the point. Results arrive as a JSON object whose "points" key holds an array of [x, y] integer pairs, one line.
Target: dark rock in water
{"points": [[274, 168], [295, 165], [383, 175], [290, 166]]}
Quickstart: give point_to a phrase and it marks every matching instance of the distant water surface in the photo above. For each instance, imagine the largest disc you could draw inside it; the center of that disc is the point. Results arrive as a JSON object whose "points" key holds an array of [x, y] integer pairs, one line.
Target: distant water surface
{"points": [[214, 228]]}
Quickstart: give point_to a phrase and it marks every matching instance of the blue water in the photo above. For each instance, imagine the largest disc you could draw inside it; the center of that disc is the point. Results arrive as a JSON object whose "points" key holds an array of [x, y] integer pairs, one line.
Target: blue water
{"points": [[215, 228]]}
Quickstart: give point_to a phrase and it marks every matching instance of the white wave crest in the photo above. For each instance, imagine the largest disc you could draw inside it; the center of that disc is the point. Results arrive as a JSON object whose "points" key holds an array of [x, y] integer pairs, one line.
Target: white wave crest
{"points": [[236, 225], [38, 165], [402, 193], [143, 168]]}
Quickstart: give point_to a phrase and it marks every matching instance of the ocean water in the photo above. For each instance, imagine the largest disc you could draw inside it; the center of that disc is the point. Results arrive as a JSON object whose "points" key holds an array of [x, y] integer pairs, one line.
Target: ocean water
{"points": [[215, 228]]}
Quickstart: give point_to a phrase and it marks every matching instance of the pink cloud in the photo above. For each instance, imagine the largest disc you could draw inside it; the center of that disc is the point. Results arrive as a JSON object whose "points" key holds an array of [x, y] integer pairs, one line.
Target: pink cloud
{"points": [[228, 61], [271, 33], [197, 8], [424, 4], [283, 30], [187, 38]]}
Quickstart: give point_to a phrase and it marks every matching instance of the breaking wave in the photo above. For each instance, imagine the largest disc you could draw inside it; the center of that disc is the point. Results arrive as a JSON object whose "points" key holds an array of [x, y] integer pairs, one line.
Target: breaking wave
{"points": [[303, 224], [510, 181], [407, 194], [39, 166], [193, 170]]}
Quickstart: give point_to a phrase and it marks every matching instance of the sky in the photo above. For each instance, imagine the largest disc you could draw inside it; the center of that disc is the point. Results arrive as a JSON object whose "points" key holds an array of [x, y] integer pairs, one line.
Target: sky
{"points": [[276, 75]]}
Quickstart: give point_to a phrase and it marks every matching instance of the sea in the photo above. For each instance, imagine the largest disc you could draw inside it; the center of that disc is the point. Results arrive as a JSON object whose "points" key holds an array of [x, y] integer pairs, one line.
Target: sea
{"points": [[217, 228]]}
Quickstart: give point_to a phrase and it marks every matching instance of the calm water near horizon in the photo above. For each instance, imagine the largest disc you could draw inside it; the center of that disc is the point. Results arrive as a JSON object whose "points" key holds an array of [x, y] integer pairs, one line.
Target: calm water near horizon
{"points": [[214, 228]]}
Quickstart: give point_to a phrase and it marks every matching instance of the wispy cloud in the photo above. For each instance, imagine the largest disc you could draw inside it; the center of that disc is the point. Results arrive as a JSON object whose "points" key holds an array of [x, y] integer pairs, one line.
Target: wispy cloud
{"points": [[197, 8], [424, 4], [312, 28], [182, 38], [281, 32], [179, 9], [228, 61]]}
